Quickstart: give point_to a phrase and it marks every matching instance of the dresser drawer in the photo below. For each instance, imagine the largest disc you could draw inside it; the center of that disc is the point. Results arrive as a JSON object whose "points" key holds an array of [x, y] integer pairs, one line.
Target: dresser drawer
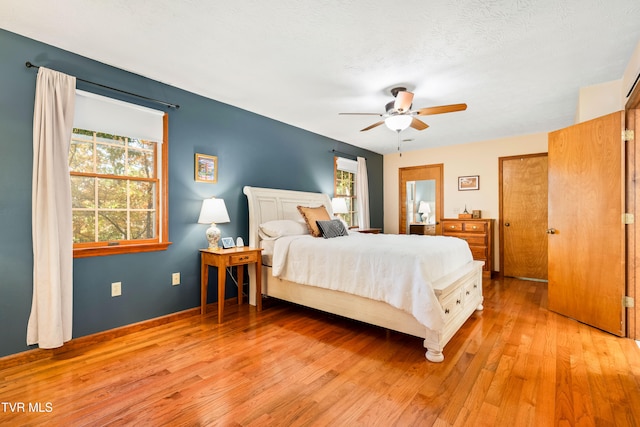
{"points": [[472, 294], [479, 240], [475, 227], [479, 253], [235, 259], [471, 290], [452, 226], [452, 303]]}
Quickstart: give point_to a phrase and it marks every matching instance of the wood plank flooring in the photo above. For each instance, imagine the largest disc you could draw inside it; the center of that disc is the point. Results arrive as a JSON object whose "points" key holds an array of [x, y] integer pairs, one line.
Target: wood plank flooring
{"points": [[514, 364]]}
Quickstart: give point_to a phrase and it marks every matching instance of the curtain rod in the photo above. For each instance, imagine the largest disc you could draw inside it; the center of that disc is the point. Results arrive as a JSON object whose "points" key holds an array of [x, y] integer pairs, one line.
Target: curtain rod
{"points": [[345, 154], [176, 106]]}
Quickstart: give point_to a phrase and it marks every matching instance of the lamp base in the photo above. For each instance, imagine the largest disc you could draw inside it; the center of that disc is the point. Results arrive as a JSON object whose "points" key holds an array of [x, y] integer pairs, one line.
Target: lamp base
{"points": [[213, 236]]}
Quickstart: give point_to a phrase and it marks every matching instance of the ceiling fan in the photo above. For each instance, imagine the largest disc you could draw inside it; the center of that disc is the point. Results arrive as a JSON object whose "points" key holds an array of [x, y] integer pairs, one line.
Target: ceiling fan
{"points": [[399, 115]]}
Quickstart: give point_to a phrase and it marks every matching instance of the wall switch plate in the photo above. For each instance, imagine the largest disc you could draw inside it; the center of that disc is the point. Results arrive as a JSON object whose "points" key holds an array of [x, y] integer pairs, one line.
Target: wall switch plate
{"points": [[175, 279], [116, 289]]}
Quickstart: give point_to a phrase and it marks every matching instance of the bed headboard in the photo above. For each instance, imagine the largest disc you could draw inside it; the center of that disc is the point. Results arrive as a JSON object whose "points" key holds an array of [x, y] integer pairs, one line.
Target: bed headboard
{"points": [[268, 204]]}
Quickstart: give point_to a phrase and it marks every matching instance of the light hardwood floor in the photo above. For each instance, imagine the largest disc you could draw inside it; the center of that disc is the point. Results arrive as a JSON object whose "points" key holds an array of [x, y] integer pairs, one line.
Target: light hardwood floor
{"points": [[514, 364]]}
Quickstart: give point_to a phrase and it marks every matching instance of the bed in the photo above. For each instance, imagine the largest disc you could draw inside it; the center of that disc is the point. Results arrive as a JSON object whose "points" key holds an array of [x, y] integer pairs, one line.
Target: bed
{"points": [[427, 302]]}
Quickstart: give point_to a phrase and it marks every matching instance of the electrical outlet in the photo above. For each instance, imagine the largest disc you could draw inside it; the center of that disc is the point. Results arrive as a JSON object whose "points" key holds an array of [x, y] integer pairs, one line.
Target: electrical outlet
{"points": [[116, 289], [175, 279]]}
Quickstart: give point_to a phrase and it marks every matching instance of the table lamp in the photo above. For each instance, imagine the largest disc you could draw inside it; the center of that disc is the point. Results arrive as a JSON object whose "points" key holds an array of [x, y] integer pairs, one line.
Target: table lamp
{"points": [[425, 210], [213, 211], [339, 205]]}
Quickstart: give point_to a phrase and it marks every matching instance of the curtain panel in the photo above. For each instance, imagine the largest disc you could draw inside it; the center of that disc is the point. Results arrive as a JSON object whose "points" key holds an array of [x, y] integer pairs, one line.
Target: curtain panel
{"points": [[362, 194], [50, 321]]}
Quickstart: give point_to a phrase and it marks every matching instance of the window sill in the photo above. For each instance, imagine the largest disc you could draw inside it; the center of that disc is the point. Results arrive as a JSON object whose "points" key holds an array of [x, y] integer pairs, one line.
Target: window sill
{"points": [[118, 250]]}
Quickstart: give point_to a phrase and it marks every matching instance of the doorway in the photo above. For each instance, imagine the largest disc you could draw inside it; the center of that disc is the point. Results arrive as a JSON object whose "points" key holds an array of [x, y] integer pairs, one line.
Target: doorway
{"points": [[412, 178], [523, 190]]}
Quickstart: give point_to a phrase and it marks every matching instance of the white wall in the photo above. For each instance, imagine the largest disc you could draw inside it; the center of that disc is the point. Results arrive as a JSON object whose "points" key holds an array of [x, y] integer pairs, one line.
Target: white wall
{"points": [[599, 100], [609, 97]]}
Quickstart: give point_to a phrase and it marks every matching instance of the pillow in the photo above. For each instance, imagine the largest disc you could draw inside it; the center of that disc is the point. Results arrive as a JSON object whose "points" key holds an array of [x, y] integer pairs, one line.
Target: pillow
{"points": [[332, 228], [282, 227], [311, 215]]}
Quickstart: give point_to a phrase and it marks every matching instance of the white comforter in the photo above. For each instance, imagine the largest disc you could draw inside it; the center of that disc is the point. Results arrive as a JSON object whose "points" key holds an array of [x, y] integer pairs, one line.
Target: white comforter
{"points": [[396, 269]]}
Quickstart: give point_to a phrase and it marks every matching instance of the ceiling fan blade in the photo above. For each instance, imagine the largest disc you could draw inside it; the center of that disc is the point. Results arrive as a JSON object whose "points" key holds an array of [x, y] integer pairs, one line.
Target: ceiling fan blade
{"points": [[403, 101], [418, 124], [360, 114], [372, 126], [441, 109]]}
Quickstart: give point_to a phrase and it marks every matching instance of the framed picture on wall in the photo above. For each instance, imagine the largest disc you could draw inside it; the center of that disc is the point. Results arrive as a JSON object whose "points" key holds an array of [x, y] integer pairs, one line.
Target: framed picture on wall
{"points": [[466, 183], [206, 168]]}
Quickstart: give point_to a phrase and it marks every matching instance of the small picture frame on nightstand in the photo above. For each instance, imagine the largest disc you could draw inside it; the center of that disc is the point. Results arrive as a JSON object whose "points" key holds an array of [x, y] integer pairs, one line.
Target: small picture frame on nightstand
{"points": [[227, 242]]}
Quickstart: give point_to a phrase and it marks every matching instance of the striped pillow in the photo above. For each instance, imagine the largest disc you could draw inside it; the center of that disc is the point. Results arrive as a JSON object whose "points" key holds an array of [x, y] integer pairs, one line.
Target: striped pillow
{"points": [[332, 228]]}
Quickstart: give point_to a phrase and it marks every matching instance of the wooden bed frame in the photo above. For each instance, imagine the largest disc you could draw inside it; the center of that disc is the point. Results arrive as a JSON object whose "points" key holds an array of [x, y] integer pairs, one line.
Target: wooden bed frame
{"points": [[459, 293]]}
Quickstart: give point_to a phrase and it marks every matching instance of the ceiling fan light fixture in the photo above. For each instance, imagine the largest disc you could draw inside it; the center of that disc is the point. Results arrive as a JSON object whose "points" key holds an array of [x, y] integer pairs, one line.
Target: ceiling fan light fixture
{"points": [[398, 123]]}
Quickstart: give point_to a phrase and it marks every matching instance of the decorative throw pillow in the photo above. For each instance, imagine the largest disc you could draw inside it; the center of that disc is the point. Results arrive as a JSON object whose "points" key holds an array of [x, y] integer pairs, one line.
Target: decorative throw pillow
{"points": [[332, 228], [311, 215]]}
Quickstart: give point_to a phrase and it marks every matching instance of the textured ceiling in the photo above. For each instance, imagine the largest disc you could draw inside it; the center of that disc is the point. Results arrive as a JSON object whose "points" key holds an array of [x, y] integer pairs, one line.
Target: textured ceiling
{"points": [[518, 64]]}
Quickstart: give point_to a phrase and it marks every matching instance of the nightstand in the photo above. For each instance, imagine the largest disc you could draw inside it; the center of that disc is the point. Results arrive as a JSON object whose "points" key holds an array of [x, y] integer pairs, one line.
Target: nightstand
{"points": [[421, 228], [223, 258]]}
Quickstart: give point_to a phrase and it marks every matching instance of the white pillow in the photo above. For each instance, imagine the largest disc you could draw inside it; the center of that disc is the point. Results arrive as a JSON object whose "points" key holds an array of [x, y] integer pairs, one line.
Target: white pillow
{"points": [[282, 227]]}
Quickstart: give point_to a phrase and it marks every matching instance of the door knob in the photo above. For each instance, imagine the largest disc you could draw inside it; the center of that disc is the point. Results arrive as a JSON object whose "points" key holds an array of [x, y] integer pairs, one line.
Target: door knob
{"points": [[551, 231], [506, 224]]}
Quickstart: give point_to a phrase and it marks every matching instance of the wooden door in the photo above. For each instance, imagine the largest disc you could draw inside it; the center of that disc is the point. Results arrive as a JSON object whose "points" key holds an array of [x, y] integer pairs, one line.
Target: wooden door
{"points": [[587, 236], [523, 216], [632, 121], [421, 173]]}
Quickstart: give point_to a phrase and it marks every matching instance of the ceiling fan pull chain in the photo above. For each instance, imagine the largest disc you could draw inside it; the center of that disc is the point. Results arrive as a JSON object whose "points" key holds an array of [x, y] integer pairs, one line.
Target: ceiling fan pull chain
{"points": [[399, 143]]}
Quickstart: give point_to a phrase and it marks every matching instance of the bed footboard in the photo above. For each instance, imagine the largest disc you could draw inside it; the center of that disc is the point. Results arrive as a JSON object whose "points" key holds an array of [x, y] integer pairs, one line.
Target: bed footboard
{"points": [[460, 294], [459, 299]]}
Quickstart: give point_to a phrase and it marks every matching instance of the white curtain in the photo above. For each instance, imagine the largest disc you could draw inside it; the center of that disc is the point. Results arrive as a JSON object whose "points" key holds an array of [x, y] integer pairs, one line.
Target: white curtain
{"points": [[50, 321], [362, 192]]}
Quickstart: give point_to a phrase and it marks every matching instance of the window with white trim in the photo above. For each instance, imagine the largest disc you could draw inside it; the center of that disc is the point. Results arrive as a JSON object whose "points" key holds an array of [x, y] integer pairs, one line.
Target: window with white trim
{"points": [[117, 166]]}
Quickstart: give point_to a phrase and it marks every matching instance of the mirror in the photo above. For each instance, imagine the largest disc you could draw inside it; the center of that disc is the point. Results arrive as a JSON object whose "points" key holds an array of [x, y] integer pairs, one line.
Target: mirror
{"points": [[421, 184], [421, 202]]}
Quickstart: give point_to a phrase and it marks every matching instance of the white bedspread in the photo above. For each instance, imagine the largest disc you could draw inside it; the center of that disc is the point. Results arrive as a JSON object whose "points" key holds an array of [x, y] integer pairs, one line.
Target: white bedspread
{"points": [[396, 269]]}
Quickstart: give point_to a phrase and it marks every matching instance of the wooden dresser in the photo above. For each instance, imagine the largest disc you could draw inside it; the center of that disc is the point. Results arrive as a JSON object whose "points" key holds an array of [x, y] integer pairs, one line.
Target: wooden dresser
{"points": [[479, 235]]}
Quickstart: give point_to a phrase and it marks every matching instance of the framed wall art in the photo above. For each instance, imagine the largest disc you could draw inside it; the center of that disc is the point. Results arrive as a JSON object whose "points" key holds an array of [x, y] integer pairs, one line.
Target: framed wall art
{"points": [[466, 183], [206, 168]]}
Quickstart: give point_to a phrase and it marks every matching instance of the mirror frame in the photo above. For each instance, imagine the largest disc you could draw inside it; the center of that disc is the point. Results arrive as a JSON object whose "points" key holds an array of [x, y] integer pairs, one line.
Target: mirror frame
{"points": [[419, 173]]}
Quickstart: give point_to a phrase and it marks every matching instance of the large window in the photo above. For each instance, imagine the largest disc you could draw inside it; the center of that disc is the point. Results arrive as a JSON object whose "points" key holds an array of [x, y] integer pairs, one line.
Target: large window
{"points": [[118, 183], [345, 171]]}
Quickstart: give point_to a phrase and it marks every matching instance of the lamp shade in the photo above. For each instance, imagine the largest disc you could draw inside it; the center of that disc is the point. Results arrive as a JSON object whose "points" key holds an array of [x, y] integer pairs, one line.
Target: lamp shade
{"points": [[339, 205], [398, 123], [213, 210], [424, 208]]}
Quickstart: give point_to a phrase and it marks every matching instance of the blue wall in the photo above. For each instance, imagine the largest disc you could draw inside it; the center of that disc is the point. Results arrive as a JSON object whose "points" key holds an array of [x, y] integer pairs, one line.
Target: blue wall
{"points": [[251, 149]]}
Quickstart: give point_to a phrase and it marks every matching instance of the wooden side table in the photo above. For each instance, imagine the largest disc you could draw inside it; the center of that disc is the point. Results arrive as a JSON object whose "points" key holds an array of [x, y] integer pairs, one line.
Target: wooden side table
{"points": [[223, 258], [421, 228]]}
